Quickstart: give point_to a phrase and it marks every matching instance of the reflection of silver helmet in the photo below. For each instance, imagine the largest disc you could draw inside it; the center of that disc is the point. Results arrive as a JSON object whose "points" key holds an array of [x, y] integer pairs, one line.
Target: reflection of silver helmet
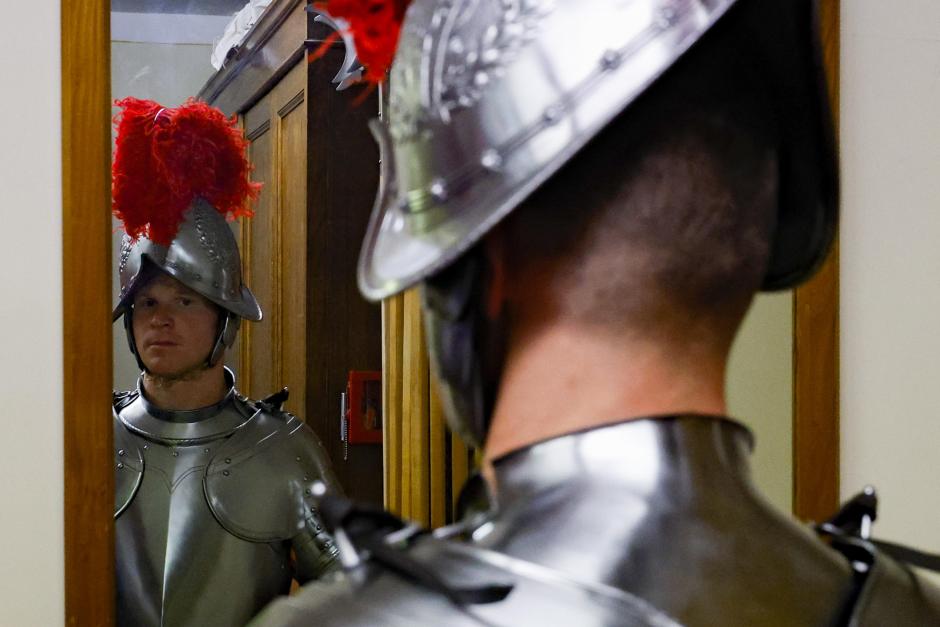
{"points": [[204, 257], [488, 98]]}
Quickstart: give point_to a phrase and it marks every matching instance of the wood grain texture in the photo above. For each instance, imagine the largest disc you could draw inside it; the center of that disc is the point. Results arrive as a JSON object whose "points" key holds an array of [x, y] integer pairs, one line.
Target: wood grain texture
{"points": [[437, 453], [86, 277], [292, 237], [417, 408], [816, 349], [392, 329], [460, 458]]}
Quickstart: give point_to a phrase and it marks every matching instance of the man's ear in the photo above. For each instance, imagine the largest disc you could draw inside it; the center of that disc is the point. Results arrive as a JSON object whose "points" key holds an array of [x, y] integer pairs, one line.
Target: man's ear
{"points": [[495, 247]]}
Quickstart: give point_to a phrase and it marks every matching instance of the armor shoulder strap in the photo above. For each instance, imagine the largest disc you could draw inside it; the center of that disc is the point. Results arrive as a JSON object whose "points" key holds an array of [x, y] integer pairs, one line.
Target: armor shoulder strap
{"points": [[258, 484], [473, 587], [416, 578], [893, 594], [128, 458]]}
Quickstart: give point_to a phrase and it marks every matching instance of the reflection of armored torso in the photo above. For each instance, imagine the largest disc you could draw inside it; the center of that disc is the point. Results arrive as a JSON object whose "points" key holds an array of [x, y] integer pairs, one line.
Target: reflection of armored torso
{"points": [[648, 522], [209, 504]]}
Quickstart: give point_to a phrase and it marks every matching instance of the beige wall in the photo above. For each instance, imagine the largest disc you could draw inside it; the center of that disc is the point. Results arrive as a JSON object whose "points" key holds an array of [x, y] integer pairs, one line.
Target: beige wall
{"points": [[760, 392], [891, 262], [31, 530]]}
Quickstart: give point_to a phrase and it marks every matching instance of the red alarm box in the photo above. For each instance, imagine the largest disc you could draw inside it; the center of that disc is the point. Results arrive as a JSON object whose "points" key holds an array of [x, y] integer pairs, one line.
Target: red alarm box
{"points": [[362, 408]]}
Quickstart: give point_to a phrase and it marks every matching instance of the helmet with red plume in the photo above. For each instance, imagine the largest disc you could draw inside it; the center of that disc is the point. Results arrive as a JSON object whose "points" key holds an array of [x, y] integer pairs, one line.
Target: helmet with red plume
{"points": [[178, 175]]}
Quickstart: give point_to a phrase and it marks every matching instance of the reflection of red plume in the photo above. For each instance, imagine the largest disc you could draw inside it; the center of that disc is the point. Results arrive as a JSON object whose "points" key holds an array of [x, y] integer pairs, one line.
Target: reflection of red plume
{"points": [[165, 158], [374, 25]]}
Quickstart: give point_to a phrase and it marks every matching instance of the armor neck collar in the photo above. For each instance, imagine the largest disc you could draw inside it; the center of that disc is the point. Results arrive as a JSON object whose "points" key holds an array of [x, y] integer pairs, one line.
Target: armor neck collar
{"points": [[188, 415], [186, 426], [648, 455]]}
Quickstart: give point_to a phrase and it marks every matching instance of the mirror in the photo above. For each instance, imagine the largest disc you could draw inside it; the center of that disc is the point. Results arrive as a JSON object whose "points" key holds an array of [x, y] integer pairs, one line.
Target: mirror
{"points": [[813, 325]]}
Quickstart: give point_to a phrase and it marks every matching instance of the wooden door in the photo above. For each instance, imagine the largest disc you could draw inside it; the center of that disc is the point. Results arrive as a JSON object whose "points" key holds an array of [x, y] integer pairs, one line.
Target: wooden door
{"points": [[273, 351]]}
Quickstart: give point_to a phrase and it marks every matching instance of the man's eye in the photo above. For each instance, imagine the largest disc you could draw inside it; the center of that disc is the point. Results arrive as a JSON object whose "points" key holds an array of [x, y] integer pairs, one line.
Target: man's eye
{"points": [[145, 302], [186, 302]]}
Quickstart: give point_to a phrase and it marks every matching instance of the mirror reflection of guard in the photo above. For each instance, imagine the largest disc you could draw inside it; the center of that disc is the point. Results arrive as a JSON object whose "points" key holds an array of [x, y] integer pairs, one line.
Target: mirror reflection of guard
{"points": [[361, 409]]}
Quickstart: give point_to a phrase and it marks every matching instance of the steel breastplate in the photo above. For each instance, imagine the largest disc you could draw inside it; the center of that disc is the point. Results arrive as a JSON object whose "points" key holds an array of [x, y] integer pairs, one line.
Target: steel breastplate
{"points": [[660, 510], [178, 561]]}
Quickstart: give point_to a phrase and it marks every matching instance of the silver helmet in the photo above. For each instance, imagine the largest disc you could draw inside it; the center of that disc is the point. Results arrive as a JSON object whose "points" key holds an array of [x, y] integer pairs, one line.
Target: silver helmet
{"points": [[204, 257], [489, 98]]}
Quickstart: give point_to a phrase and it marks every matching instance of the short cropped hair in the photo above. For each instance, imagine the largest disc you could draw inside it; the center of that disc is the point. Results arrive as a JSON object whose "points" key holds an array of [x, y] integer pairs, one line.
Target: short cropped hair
{"points": [[668, 214]]}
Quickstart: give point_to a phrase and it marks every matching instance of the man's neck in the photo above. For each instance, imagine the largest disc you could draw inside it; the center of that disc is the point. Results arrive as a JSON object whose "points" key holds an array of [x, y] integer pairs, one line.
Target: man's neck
{"points": [[197, 389], [567, 378]]}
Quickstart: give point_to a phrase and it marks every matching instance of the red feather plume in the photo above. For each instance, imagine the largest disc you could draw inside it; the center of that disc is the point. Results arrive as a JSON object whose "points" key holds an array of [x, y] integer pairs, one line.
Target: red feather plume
{"points": [[165, 158], [375, 26]]}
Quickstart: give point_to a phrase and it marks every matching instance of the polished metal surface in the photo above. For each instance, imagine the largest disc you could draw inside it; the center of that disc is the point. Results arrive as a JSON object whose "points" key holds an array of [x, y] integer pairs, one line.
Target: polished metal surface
{"points": [[209, 505], [489, 98], [176, 428], [660, 511], [203, 256]]}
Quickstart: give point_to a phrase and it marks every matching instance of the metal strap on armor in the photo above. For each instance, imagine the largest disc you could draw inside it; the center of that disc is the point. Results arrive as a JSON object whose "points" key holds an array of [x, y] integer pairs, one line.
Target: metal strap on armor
{"points": [[128, 459], [485, 588], [877, 565]]}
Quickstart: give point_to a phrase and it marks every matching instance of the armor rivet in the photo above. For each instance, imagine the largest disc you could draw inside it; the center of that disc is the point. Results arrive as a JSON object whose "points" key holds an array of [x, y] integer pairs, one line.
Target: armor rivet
{"points": [[176, 453], [611, 59], [298, 458], [215, 284], [307, 492], [667, 17], [146, 446], [306, 478], [439, 190], [206, 450], [225, 472], [198, 277], [121, 452], [228, 460], [120, 465], [491, 160], [552, 114]]}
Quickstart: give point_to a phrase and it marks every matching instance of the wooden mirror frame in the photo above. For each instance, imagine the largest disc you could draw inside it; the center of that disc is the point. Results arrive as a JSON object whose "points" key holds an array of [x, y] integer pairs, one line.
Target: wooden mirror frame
{"points": [[86, 244]]}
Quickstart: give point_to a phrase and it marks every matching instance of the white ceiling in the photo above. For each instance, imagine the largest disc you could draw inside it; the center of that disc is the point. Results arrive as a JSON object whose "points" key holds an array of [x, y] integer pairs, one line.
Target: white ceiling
{"points": [[185, 7]]}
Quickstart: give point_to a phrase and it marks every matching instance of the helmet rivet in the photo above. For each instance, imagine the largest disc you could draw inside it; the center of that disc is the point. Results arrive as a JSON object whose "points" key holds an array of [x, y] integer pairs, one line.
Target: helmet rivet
{"points": [[215, 284], [491, 160], [198, 277], [120, 466], [667, 17], [121, 452], [226, 473], [552, 114], [611, 59], [176, 453], [228, 460]]}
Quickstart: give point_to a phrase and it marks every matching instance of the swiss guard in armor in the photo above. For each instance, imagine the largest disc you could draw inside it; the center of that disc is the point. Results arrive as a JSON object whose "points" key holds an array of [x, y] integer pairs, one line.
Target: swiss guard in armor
{"points": [[589, 194], [213, 510]]}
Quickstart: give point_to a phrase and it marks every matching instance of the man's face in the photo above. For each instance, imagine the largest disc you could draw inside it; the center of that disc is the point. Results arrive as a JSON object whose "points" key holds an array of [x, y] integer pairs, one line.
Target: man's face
{"points": [[174, 327]]}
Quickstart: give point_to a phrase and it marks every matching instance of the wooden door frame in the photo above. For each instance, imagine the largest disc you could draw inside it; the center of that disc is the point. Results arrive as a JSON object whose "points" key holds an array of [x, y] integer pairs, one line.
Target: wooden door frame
{"points": [[86, 312], [816, 346], [86, 245]]}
